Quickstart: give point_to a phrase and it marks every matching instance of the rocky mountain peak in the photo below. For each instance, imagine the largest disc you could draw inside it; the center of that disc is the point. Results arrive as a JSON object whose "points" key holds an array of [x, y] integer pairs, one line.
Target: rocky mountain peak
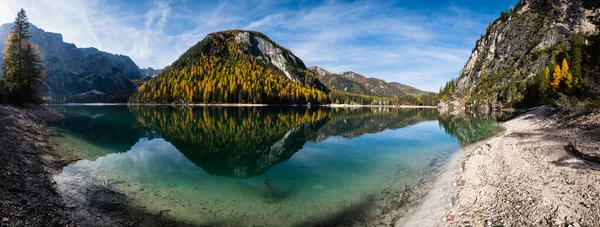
{"points": [[236, 61], [319, 71]]}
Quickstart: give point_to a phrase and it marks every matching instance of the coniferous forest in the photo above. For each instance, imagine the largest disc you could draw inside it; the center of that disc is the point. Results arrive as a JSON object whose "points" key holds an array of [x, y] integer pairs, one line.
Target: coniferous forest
{"points": [[220, 69]]}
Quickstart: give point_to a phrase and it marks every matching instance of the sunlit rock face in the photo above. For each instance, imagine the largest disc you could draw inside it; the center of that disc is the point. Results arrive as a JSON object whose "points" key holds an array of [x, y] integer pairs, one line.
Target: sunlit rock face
{"points": [[259, 46]]}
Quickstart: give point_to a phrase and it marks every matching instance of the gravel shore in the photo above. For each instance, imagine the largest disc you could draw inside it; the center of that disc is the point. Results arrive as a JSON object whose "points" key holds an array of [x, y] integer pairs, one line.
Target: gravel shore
{"points": [[29, 196], [528, 176]]}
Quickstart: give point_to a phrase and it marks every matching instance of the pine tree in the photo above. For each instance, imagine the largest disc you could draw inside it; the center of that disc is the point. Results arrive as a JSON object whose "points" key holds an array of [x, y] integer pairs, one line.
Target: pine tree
{"points": [[23, 70], [578, 43], [547, 77]]}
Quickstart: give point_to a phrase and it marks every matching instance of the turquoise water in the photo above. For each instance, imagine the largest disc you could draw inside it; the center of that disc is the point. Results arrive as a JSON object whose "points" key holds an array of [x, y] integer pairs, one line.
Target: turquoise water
{"points": [[257, 166]]}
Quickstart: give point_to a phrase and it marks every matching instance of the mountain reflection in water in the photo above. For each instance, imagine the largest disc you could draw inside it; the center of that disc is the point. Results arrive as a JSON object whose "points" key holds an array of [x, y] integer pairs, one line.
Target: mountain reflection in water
{"points": [[244, 142]]}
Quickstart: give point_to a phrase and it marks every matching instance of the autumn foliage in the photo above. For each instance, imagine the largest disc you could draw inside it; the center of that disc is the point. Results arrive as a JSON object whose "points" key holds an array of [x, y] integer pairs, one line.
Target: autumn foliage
{"points": [[218, 70], [563, 80]]}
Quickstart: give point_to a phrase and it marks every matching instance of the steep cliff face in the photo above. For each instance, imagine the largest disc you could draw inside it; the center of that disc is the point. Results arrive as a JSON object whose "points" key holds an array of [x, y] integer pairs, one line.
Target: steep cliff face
{"points": [[71, 71], [522, 42], [263, 48]]}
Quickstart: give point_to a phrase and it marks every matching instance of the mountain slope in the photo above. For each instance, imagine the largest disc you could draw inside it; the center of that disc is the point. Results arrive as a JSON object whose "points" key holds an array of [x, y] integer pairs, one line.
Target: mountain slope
{"points": [[355, 83], [410, 89], [515, 48], [71, 70], [339, 82], [234, 66]]}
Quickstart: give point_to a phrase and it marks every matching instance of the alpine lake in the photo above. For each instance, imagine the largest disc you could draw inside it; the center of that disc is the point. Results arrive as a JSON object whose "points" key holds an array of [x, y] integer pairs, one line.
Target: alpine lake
{"points": [[259, 166]]}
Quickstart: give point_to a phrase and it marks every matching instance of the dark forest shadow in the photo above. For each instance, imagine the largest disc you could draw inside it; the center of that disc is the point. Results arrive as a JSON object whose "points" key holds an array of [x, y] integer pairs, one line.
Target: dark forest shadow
{"points": [[353, 215]]}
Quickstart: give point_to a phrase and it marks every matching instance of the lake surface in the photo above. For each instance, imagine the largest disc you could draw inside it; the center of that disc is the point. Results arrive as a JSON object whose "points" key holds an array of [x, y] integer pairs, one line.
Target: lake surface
{"points": [[262, 166]]}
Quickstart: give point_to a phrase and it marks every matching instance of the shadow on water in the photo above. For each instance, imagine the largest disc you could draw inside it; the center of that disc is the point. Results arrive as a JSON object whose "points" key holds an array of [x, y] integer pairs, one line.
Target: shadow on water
{"points": [[353, 215], [109, 127], [101, 206]]}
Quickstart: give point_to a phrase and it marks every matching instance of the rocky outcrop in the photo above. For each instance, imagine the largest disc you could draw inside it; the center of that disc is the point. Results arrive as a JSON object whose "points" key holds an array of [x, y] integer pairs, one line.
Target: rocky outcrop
{"points": [[517, 46], [321, 72], [263, 48], [70, 70]]}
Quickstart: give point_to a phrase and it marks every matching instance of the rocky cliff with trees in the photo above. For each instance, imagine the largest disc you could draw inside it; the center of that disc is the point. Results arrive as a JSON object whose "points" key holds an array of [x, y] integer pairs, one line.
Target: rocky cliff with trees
{"points": [[538, 52]]}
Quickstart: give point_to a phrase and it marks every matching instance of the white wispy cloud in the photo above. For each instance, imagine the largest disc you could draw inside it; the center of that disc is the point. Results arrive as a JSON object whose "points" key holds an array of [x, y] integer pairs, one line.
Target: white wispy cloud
{"points": [[269, 19], [387, 40]]}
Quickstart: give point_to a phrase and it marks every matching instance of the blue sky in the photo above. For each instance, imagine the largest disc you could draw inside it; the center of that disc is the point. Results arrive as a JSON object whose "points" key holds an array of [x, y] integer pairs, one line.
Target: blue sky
{"points": [[419, 43]]}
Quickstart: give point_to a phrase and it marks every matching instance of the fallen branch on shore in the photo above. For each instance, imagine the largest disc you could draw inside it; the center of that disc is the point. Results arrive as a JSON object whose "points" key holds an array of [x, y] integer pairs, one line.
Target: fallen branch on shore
{"points": [[572, 147]]}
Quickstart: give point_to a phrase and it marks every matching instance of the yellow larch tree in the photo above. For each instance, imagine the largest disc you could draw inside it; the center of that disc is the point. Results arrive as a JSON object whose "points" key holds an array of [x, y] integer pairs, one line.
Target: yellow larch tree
{"points": [[557, 77]]}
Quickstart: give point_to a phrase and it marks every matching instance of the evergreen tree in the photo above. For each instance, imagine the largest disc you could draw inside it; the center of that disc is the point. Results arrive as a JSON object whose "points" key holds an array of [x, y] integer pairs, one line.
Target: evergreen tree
{"points": [[23, 70], [547, 77], [577, 60]]}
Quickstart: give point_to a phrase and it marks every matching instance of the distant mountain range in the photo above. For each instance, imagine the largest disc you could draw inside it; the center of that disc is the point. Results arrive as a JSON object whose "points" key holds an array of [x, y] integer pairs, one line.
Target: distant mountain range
{"points": [[73, 71], [238, 66], [356, 83], [232, 66]]}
